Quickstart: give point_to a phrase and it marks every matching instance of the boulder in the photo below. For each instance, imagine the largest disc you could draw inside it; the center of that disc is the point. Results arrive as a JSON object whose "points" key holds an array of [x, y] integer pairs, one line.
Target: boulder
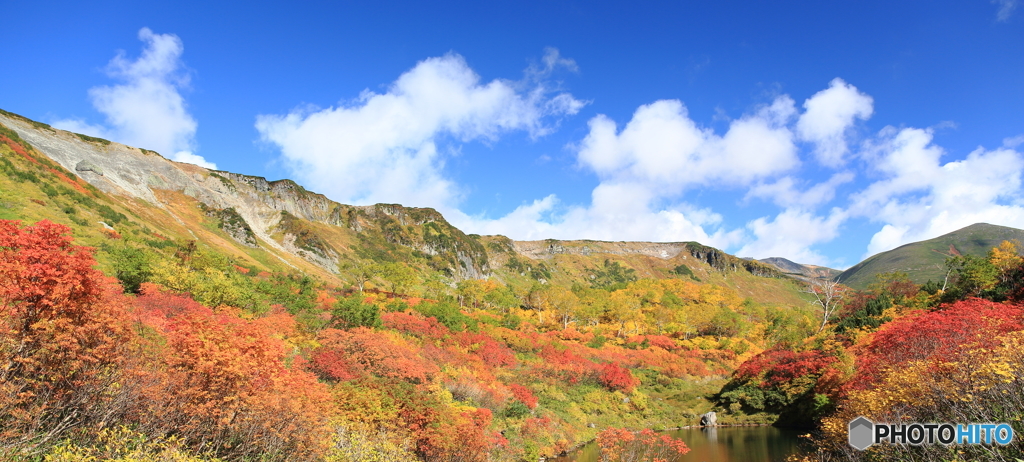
{"points": [[709, 420], [86, 166]]}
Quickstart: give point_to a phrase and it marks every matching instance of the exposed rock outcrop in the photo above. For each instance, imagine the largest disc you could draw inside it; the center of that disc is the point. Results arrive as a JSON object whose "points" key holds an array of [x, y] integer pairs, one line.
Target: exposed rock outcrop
{"points": [[86, 166], [252, 209]]}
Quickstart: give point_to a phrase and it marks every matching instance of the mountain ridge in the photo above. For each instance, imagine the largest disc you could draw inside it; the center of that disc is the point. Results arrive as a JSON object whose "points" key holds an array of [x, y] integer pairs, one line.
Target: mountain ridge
{"points": [[801, 271], [925, 260], [280, 222], [300, 228]]}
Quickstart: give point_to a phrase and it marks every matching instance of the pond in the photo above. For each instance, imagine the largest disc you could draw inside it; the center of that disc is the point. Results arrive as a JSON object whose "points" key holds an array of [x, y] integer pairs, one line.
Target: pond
{"points": [[720, 444]]}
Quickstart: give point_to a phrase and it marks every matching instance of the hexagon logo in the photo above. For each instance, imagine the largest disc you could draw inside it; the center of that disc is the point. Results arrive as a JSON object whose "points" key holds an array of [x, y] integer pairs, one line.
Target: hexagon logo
{"points": [[861, 433]]}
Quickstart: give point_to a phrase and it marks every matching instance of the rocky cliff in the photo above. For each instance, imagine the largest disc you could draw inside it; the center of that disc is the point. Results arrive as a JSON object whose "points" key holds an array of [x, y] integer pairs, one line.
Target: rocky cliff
{"points": [[295, 225], [255, 212]]}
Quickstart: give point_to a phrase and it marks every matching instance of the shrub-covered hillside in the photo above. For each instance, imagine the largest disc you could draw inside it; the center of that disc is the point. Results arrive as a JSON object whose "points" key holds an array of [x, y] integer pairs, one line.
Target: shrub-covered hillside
{"points": [[184, 329]]}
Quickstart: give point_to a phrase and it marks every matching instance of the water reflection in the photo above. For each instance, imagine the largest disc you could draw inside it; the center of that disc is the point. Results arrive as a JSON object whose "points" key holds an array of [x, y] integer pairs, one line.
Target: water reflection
{"points": [[720, 444], [711, 433]]}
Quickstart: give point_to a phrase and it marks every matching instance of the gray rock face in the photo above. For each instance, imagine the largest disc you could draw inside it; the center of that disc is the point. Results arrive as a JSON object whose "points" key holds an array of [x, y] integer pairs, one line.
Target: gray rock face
{"points": [[255, 204], [709, 420], [126, 171], [86, 166], [538, 250]]}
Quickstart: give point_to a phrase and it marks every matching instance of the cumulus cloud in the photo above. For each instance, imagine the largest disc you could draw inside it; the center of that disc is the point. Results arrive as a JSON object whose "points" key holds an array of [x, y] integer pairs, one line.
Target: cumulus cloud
{"points": [[665, 149], [617, 212], [645, 169], [384, 148], [791, 234], [146, 109], [829, 115], [919, 197], [392, 147]]}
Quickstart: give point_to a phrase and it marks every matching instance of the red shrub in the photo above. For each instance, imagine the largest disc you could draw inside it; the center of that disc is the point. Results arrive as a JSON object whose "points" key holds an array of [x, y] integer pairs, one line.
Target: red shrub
{"points": [[223, 380], [415, 324], [623, 445], [941, 333], [616, 377], [775, 367], [346, 354], [524, 395], [493, 353], [64, 329]]}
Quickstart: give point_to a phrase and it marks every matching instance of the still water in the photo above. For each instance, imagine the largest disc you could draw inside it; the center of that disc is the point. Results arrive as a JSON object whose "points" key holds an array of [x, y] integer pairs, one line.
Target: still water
{"points": [[722, 444]]}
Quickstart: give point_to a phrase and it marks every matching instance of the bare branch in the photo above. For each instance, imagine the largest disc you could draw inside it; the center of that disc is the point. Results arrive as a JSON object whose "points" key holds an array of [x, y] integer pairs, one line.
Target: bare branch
{"points": [[828, 295]]}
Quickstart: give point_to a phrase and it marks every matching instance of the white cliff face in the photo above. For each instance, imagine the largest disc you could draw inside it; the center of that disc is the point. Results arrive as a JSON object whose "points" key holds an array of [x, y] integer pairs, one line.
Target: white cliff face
{"points": [[126, 171], [264, 207], [122, 170], [545, 249]]}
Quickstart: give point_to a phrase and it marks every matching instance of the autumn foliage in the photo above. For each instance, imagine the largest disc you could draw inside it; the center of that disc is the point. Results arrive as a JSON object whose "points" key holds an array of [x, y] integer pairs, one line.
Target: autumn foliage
{"points": [[64, 333], [73, 358], [616, 377], [619, 444], [202, 363], [222, 382], [935, 335]]}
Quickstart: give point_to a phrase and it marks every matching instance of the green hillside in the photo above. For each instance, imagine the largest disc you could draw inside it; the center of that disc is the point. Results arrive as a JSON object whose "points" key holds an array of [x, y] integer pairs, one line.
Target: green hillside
{"points": [[926, 259], [291, 327]]}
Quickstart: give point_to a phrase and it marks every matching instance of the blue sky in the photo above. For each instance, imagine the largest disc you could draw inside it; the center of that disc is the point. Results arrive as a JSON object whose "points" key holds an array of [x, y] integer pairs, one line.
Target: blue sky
{"points": [[819, 131]]}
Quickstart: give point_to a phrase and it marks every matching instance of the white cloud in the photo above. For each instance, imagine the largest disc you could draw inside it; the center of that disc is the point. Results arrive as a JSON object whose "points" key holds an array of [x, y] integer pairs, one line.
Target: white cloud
{"points": [[617, 212], [791, 234], [919, 197], [665, 149], [785, 193], [146, 110], [384, 147], [1006, 8], [1013, 142], [652, 161], [829, 115]]}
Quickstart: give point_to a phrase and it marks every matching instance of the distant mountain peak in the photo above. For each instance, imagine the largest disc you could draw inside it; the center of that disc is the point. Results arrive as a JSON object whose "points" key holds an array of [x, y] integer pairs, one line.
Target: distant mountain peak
{"points": [[925, 260], [801, 271]]}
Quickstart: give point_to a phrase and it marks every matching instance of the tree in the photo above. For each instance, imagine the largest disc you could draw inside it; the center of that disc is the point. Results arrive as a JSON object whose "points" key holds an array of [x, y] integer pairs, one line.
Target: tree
{"points": [[968, 276], [624, 307], [352, 312], [1006, 258], [399, 276], [611, 276], [471, 292], [132, 266], [828, 296], [594, 303], [502, 298], [564, 304], [436, 286], [360, 272], [537, 299]]}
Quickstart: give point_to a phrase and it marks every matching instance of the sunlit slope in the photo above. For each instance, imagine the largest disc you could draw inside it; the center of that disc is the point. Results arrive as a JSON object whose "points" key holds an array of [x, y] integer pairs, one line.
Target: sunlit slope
{"points": [[925, 260], [279, 225], [801, 271]]}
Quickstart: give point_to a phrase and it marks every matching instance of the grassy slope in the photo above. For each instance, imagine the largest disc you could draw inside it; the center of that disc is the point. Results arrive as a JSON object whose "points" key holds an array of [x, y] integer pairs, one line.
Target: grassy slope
{"points": [[179, 217], [418, 237], [926, 259]]}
